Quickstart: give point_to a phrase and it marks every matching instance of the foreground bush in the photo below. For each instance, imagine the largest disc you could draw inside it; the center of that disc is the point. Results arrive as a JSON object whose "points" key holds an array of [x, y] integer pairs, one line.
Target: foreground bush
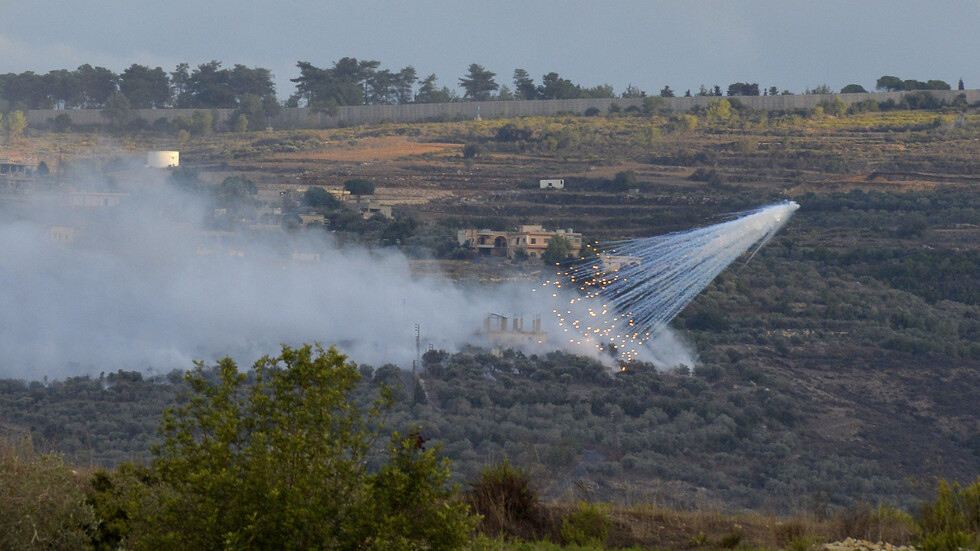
{"points": [[952, 521], [281, 462], [508, 503], [42, 500]]}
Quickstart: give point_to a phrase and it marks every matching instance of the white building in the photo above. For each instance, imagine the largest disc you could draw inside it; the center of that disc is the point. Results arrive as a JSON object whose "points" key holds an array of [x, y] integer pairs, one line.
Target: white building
{"points": [[162, 159]]}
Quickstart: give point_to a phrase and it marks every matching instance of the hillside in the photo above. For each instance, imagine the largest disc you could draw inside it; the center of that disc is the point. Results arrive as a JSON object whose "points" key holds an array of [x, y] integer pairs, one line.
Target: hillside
{"points": [[838, 366]]}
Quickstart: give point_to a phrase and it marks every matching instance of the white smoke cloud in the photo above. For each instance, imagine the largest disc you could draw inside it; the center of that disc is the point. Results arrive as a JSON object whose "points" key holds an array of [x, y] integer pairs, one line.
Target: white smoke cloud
{"points": [[144, 288], [134, 293]]}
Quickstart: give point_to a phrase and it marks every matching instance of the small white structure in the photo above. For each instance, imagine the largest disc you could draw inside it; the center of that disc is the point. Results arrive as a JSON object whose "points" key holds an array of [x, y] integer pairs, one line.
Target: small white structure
{"points": [[94, 199], [162, 159], [552, 184]]}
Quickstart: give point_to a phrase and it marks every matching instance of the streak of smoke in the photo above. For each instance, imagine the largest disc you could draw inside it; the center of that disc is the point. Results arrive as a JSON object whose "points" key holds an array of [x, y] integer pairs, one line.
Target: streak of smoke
{"points": [[135, 292]]}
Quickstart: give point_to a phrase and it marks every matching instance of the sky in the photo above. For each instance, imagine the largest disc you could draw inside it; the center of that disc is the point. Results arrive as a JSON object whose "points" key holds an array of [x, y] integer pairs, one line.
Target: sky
{"points": [[794, 45]]}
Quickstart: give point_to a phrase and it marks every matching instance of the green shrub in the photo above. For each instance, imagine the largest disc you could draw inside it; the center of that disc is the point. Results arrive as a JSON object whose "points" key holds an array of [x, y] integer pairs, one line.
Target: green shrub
{"points": [[279, 459], [730, 541], [588, 524], [952, 521]]}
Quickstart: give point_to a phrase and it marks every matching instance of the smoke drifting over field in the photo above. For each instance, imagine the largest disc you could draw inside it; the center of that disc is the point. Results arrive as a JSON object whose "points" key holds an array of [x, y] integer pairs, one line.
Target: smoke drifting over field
{"points": [[140, 285], [143, 288]]}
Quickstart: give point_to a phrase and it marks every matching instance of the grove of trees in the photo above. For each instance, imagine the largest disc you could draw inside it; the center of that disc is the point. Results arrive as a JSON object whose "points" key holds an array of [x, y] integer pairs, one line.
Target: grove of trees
{"points": [[889, 83], [349, 81], [279, 457]]}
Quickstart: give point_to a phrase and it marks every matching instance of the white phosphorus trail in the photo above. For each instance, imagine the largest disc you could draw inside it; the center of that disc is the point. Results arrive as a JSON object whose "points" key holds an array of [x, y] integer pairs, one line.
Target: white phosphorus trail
{"points": [[630, 291]]}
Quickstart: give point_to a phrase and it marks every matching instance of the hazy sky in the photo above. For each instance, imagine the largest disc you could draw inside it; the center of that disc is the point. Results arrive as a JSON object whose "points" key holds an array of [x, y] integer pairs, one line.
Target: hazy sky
{"points": [[789, 44]]}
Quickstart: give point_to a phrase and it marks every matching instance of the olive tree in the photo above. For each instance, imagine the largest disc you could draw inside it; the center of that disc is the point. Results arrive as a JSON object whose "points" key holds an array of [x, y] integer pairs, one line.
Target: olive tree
{"points": [[359, 186], [559, 249]]}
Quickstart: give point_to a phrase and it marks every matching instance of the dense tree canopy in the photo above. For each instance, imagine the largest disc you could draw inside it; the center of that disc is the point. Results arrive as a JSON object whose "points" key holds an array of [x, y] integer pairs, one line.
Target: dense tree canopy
{"points": [[853, 89], [430, 93], [349, 81], [359, 186], [478, 83], [559, 249], [743, 89], [279, 458], [524, 87], [144, 87], [889, 83], [353, 82]]}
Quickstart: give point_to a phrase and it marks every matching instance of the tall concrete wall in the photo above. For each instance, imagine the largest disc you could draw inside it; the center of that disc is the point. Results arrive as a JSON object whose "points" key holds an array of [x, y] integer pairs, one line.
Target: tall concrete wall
{"points": [[367, 114], [39, 118]]}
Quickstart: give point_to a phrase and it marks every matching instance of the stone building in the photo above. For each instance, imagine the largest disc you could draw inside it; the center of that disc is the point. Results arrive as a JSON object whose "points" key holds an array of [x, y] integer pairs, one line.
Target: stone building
{"points": [[531, 239]]}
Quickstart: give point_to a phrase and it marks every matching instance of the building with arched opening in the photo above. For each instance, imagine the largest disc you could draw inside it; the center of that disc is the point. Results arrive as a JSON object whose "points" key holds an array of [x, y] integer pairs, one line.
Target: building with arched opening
{"points": [[533, 240]]}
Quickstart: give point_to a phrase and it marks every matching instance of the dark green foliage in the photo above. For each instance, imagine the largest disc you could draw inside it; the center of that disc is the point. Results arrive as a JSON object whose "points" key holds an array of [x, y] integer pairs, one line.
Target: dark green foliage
{"points": [[408, 505], [144, 88], [397, 232], [473, 150], [863, 106], [320, 199], [186, 178], [853, 89], [117, 109], [120, 499], [912, 225], [707, 320], [889, 83], [359, 186], [514, 132], [559, 249], [524, 87], [920, 100], [655, 105], [478, 83], [61, 123], [708, 175], [235, 193], [555, 87], [743, 89], [282, 462], [624, 180], [933, 275]]}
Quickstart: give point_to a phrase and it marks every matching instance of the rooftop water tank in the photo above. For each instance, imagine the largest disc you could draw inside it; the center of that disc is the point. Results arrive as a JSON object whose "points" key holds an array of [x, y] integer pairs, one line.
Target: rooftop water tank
{"points": [[162, 159]]}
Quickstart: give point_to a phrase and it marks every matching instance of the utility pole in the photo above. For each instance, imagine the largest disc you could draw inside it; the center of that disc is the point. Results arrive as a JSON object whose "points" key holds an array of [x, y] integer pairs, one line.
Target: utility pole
{"points": [[417, 361]]}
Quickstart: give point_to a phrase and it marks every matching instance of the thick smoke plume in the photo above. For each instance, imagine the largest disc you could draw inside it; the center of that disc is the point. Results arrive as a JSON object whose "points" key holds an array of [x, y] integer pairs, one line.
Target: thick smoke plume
{"points": [[142, 287]]}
